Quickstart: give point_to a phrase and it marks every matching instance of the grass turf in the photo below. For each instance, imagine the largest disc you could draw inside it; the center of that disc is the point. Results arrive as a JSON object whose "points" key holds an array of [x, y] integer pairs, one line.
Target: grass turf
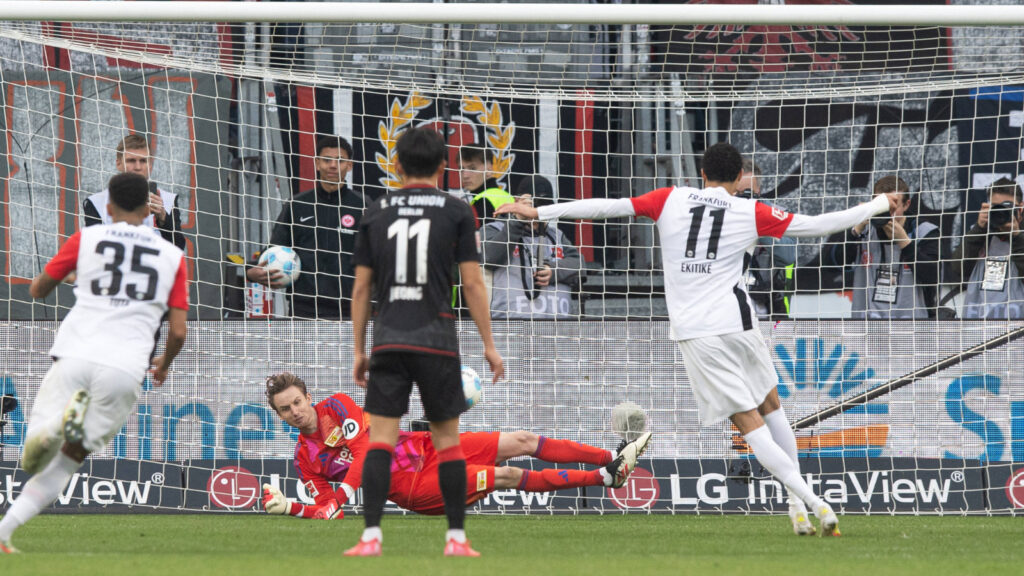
{"points": [[189, 545]]}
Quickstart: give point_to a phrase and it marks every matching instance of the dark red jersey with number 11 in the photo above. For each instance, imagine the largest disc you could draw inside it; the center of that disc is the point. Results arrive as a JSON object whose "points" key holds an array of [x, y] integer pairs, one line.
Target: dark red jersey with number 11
{"points": [[412, 239]]}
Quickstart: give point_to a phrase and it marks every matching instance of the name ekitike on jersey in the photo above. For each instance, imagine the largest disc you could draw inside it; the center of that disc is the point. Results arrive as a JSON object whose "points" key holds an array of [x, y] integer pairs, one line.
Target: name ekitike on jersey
{"points": [[692, 268]]}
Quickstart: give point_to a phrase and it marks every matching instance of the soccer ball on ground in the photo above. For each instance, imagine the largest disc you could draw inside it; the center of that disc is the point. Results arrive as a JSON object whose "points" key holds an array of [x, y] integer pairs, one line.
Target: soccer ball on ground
{"points": [[471, 387], [283, 259]]}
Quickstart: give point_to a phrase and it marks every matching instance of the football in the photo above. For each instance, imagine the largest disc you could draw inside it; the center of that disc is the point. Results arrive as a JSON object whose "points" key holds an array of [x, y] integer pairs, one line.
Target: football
{"points": [[284, 259], [471, 387]]}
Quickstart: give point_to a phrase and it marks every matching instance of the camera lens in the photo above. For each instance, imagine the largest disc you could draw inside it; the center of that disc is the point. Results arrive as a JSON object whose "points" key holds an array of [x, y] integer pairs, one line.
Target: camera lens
{"points": [[1000, 214]]}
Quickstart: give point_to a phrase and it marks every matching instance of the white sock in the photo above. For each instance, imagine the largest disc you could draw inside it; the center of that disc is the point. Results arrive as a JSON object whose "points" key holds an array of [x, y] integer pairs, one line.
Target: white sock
{"points": [[782, 434], [39, 492], [457, 535], [775, 459], [372, 534]]}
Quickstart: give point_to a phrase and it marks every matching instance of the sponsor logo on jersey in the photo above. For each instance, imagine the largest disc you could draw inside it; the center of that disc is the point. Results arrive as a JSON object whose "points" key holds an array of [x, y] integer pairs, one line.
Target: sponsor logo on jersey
{"points": [[351, 428], [344, 456]]}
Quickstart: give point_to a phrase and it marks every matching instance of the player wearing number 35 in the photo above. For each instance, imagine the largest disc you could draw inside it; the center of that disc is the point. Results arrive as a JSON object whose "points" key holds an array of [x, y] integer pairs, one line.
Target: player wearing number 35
{"points": [[128, 279], [707, 237]]}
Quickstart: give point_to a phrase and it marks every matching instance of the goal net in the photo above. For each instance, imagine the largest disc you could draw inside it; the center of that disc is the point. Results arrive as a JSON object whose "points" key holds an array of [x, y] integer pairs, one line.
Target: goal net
{"points": [[568, 101]]}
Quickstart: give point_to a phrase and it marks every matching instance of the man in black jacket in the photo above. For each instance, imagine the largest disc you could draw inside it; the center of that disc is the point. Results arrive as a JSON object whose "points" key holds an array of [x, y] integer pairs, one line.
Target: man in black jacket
{"points": [[133, 156], [320, 225]]}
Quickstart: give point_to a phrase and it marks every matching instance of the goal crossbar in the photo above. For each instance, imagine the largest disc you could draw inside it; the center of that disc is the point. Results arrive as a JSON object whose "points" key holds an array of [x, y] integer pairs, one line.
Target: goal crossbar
{"points": [[482, 13]]}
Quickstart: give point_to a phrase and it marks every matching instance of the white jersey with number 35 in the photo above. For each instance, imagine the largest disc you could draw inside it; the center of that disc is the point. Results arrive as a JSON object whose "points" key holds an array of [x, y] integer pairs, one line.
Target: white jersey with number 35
{"points": [[127, 278], [705, 238]]}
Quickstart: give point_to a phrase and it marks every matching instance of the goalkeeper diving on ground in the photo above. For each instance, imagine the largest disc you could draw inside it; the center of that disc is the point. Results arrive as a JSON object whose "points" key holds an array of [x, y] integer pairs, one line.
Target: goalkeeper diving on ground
{"points": [[334, 436]]}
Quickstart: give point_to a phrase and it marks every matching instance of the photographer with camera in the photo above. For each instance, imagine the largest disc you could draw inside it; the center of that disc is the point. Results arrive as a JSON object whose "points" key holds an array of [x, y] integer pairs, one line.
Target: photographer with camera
{"points": [[895, 260], [989, 262], [535, 265]]}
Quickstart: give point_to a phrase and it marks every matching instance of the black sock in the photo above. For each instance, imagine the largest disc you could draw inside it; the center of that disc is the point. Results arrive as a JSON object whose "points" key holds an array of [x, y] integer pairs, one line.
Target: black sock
{"points": [[452, 475], [376, 484]]}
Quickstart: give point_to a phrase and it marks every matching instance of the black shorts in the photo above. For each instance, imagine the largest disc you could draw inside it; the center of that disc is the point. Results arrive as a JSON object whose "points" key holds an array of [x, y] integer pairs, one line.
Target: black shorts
{"points": [[439, 379]]}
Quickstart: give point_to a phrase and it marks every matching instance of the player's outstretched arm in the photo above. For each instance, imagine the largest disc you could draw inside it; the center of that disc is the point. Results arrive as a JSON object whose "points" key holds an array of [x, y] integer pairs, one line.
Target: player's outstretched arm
{"points": [[594, 209], [804, 226], [476, 297], [57, 269]]}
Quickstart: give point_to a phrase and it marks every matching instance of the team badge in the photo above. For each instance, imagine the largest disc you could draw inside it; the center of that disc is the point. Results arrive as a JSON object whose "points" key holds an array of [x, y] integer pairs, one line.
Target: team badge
{"points": [[334, 437], [481, 481], [311, 489], [348, 220]]}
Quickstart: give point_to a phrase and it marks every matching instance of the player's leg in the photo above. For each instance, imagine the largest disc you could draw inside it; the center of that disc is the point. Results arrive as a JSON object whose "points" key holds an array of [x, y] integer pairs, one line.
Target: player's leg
{"points": [[523, 443], [43, 437], [440, 383], [782, 433], [112, 393], [614, 475], [387, 399], [451, 475], [775, 459]]}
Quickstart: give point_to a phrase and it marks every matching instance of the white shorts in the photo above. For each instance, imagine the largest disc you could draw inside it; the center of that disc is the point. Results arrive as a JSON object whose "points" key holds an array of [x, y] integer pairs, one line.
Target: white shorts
{"points": [[729, 374], [112, 393]]}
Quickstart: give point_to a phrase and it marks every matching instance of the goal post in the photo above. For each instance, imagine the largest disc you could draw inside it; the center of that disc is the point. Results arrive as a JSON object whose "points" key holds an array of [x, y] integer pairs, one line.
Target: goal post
{"points": [[921, 415]]}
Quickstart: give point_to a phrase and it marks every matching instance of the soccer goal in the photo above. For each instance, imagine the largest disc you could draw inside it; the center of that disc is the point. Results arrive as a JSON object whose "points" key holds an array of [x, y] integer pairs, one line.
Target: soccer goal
{"points": [[920, 411]]}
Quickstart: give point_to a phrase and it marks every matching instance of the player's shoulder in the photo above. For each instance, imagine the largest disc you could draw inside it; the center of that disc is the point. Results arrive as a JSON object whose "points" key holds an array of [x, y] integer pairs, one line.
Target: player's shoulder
{"points": [[335, 404]]}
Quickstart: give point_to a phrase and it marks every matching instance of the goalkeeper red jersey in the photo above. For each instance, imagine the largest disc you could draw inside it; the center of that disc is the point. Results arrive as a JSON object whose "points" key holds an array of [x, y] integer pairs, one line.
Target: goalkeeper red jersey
{"points": [[335, 452]]}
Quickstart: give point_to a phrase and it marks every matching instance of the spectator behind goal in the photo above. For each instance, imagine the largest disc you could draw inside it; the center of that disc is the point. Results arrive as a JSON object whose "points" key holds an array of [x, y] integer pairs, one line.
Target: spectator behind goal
{"points": [[989, 263], [895, 259], [534, 265]]}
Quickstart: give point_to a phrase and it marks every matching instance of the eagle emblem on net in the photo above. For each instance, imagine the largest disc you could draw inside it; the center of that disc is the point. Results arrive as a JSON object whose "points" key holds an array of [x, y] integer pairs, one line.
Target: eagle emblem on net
{"points": [[474, 111]]}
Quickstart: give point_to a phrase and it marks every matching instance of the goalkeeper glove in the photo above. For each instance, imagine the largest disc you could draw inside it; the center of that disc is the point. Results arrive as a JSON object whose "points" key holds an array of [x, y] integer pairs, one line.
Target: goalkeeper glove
{"points": [[274, 501]]}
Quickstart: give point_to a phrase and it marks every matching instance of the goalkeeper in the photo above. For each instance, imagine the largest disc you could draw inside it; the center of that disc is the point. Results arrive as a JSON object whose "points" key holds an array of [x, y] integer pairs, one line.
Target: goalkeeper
{"points": [[334, 436]]}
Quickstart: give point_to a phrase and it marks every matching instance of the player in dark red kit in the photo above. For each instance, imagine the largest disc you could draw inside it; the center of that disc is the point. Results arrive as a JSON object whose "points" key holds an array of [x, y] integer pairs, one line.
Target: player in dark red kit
{"points": [[333, 441], [408, 245]]}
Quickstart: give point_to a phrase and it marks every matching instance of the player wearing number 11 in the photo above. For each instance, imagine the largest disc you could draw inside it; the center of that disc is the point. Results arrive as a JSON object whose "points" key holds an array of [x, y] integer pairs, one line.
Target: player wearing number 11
{"points": [[407, 247], [128, 280], [707, 237]]}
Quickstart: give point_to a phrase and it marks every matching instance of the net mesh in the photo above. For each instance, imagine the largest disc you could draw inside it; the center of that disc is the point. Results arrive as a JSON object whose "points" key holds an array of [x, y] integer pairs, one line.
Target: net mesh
{"points": [[231, 112]]}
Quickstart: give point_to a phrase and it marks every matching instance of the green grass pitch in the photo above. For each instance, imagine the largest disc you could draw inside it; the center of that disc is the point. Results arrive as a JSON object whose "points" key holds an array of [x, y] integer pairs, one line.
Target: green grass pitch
{"points": [[196, 545]]}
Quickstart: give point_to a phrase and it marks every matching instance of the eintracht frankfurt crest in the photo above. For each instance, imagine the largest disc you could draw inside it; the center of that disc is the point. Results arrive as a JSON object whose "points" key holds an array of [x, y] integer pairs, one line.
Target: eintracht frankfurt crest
{"points": [[475, 113]]}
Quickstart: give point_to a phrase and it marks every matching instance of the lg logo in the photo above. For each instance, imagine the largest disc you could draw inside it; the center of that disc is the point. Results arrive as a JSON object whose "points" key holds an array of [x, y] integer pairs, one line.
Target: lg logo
{"points": [[640, 491], [232, 487]]}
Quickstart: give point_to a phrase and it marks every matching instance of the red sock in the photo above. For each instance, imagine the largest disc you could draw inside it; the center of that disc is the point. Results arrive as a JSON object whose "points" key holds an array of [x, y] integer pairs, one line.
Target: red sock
{"points": [[551, 450], [552, 479]]}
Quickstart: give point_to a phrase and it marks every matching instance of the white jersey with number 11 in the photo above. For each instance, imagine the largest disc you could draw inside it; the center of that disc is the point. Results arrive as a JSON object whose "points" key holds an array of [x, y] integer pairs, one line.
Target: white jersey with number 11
{"points": [[706, 236]]}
